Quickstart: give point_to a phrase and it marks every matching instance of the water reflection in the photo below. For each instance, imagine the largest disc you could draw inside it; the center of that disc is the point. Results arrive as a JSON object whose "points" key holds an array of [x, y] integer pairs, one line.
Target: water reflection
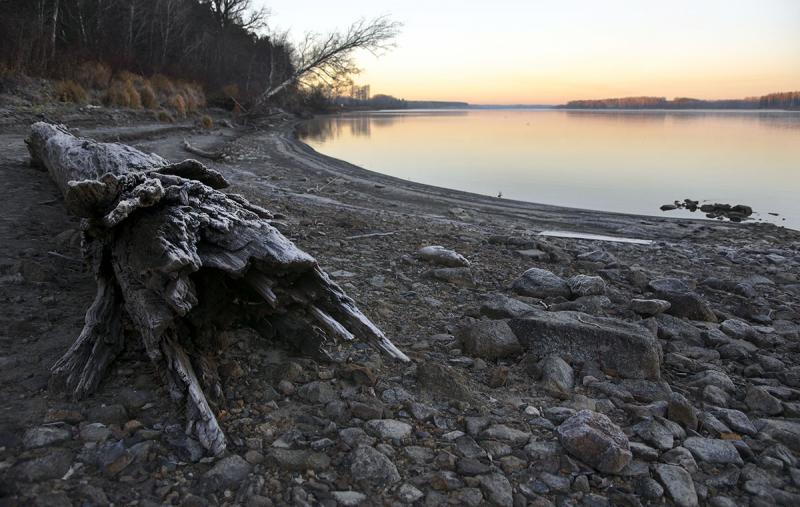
{"points": [[627, 161]]}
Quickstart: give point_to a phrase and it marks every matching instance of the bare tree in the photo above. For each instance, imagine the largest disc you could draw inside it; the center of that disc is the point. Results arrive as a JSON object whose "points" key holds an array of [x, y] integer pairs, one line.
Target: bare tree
{"points": [[239, 12], [329, 58]]}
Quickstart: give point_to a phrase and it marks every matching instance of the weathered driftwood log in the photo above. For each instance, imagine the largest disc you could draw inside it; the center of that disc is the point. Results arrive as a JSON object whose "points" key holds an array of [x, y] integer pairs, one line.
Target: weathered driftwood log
{"points": [[182, 262]]}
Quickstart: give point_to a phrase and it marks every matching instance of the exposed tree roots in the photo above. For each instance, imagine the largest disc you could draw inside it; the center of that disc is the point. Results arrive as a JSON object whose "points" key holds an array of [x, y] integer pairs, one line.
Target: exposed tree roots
{"points": [[182, 262]]}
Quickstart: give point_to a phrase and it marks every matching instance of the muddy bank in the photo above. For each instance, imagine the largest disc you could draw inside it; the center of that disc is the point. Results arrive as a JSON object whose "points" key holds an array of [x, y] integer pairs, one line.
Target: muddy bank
{"points": [[489, 412]]}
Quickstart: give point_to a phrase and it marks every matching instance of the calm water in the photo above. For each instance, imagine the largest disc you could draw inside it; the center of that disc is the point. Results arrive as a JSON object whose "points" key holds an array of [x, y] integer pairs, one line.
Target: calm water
{"points": [[632, 161]]}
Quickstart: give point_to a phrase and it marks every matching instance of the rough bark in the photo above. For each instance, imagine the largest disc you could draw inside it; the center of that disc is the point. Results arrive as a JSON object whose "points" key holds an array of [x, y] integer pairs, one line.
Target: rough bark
{"points": [[183, 262]]}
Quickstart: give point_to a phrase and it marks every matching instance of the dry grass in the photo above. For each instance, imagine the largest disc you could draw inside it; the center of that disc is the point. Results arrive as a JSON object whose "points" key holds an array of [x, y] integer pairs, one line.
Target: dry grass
{"points": [[162, 85], [129, 77], [149, 98], [70, 91], [94, 75], [206, 122], [178, 104], [123, 94], [165, 116]]}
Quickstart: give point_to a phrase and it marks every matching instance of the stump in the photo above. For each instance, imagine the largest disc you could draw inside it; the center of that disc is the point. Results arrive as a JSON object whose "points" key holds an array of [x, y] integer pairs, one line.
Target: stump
{"points": [[181, 262]]}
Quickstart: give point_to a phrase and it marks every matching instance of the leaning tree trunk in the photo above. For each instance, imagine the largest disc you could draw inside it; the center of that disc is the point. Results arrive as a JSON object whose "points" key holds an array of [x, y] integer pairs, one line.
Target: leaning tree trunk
{"points": [[183, 261]]}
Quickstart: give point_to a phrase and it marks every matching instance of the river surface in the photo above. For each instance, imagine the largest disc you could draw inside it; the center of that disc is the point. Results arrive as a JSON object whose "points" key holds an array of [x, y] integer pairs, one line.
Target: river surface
{"points": [[623, 161]]}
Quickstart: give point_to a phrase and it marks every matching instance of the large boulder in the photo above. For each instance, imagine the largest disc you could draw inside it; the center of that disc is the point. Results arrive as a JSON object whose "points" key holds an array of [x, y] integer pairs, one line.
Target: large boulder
{"points": [[488, 339], [594, 439], [540, 283], [630, 350], [684, 302]]}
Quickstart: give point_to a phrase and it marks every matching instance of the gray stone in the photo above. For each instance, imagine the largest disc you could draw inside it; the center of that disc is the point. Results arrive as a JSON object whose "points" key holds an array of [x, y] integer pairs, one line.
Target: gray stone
{"points": [[500, 306], [488, 339], [736, 420], [469, 497], [443, 382], [52, 465], [738, 329], [682, 457], [557, 375], [467, 447], [407, 493], [366, 463], [655, 433], [300, 460], [643, 452], [317, 392], [443, 257], [649, 488], [649, 307], [711, 450], [681, 411], [109, 414], [759, 399], [540, 283], [95, 432], [595, 440], [711, 378], [354, 437], [497, 490], [514, 437], [678, 484], [228, 473], [348, 498], [45, 435], [630, 350], [388, 429], [586, 285], [783, 431]]}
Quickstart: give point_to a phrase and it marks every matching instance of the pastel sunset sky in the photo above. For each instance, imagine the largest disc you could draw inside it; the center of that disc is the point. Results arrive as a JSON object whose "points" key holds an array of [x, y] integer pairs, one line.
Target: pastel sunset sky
{"points": [[552, 51]]}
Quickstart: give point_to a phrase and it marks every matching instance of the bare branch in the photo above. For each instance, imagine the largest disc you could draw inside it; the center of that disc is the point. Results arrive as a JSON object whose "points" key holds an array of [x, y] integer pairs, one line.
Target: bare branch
{"points": [[329, 58]]}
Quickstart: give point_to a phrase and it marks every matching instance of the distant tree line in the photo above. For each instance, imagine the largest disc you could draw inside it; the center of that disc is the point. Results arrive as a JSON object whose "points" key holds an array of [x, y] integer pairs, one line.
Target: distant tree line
{"points": [[381, 101], [783, 100], [214, 42]]}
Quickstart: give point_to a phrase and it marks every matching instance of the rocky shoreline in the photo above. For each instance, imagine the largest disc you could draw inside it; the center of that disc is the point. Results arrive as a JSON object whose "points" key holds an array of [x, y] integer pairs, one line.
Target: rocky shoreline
{"points": [[545, 370]]}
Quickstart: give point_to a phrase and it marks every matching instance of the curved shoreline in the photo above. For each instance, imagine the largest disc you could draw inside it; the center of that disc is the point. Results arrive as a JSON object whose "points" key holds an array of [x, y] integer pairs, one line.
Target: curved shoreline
{"points": [[426, 198]]}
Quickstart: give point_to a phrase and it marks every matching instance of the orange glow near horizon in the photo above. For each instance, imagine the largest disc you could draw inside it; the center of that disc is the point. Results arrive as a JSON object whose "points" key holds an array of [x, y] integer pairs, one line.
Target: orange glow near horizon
{"points": [[549, 52]]}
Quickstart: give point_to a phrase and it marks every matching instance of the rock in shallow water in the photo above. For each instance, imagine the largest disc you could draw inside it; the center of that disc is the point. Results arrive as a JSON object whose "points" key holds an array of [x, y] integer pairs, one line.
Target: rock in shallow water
{"points": [[595, 440]]}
